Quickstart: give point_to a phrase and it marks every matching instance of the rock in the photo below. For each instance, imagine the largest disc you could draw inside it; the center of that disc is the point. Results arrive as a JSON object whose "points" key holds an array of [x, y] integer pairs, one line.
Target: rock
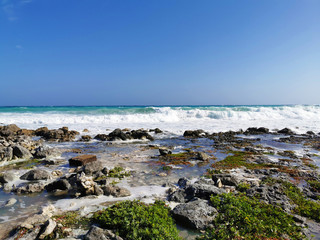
{"points": [[115, 191], [62, 134], [81, 160], [85, 130], [202, 156], [226, 179], [98, 190], [34, 220], [286, 131], [30, 188], [10, 202], [49, 162], [47, 229], [182, 182], [25, 132], [48, 210], [157, 131], [96, 233], [21, 152], [9, 130], [178, 196], [310, 133], [194, 133], [196, 214], [203, 191], [86, 138], [6, 177], [101, 137], [256, 131], [6, 154], [61, 184], [92, 167], [118, 134], [36, 174], [164, 151], [57, 173], [42, 152]]}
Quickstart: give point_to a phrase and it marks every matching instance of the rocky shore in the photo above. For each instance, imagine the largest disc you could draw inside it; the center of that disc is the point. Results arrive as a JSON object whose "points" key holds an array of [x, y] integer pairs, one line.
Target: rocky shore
{"points": [[249, 184]]}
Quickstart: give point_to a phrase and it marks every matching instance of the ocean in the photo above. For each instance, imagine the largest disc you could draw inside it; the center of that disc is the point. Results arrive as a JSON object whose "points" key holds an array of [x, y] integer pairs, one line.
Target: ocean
{"points": [[173, 119]]}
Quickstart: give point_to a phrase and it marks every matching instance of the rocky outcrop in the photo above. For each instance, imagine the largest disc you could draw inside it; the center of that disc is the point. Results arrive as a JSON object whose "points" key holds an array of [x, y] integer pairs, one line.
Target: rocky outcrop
{"points": [[196, 214], [286, 131], [61, 135], [47, 228], [119, 134], [30, 188], [82, 160]]}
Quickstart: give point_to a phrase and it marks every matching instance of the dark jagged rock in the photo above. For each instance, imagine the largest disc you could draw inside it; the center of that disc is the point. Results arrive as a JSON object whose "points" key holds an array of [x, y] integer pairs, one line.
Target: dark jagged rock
{"points": [[86, 138], [101, 137], [196, 214], [256, 131], [164, 151], [61, 184], [226, 179], [286, 131], [194, 133], [82, 160], [9, 130], [43, 152], [62, 134], [202, 190], [36, 174], [21, 152]]}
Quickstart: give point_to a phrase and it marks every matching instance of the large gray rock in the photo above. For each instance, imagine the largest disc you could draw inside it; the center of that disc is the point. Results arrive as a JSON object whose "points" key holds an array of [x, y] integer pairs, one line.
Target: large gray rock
{"points": [[21, 152], [96, 233], [36, 174], [43, 152], [197, 214]]}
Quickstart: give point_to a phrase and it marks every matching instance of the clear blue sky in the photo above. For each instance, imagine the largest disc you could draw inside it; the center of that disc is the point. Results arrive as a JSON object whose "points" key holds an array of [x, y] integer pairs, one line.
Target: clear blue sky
{"points": [[102, 52]]}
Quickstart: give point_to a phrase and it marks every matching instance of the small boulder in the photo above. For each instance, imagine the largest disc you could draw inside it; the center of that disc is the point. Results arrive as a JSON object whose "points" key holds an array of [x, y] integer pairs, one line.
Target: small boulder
{"points": [[202, 156], [115, 191], [6, 177], [21, 152], [61, 184], [82, 160], [164, 151], [286, 131], [86, 138], [96, 233], [196, 214], [36, 174], [10, 202]]}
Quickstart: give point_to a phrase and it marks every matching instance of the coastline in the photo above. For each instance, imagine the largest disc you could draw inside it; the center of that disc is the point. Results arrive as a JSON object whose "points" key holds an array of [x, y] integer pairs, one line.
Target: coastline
{"points": [[152, 165]]}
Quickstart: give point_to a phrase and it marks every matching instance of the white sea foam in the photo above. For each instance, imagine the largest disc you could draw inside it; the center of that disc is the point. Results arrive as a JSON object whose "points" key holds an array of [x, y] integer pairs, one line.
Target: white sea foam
{"points": [[176, 119]]}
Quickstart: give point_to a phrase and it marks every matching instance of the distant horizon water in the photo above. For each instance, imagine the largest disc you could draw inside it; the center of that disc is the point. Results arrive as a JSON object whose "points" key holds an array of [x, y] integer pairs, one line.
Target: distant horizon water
{"points": [[172, 118]]}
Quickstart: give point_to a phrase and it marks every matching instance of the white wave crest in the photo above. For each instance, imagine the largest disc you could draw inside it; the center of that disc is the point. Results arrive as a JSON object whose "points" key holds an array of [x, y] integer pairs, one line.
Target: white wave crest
{"points": [[177, 119]]}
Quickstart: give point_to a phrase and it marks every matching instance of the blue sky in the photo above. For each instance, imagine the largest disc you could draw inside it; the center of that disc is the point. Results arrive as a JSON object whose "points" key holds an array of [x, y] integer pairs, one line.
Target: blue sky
{"points": [[153, 52]]}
